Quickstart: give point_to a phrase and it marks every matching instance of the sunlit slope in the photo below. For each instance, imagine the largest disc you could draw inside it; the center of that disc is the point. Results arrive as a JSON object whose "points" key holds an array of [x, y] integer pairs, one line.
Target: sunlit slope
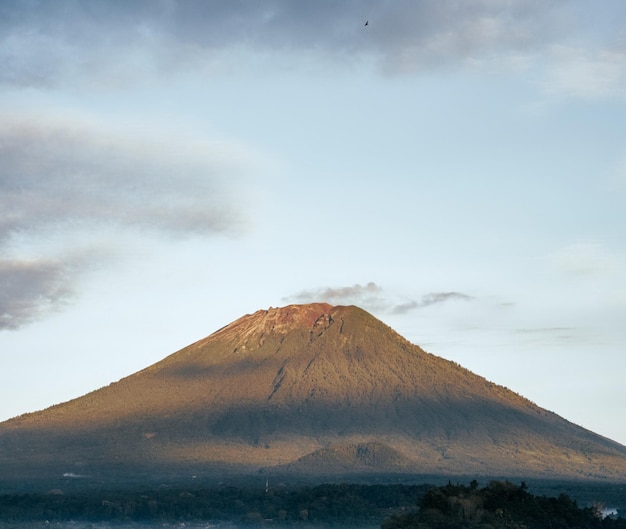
{"points": [[308, 389]]}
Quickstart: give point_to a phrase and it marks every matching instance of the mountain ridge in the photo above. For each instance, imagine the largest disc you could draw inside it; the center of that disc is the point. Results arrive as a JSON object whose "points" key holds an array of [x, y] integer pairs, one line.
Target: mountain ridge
{"points": [[308, 389]]}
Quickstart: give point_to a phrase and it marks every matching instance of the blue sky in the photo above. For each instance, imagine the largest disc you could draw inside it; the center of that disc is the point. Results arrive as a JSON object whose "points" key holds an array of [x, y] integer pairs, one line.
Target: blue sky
{"points": [[456, 169]]}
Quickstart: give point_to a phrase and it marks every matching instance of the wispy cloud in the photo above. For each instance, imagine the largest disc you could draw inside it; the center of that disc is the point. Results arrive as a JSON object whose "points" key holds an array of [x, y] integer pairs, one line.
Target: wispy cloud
{"points": [[554, 336], [586, 73], [44, 43], [585, 259], [373, 297], [369, 295], [432, 298]]}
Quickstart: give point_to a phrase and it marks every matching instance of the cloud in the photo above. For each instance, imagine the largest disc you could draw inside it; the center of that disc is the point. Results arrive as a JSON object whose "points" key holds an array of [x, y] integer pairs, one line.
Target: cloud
{"points": [[44, 43], [441, 297], [586, 73], [75, 182], [60, 173], [32, 289], [432, 298], [373, 297], [368, 295], [585, 259], [544, 335]]}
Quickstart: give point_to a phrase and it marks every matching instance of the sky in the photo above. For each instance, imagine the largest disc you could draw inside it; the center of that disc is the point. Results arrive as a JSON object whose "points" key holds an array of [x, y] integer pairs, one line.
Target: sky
{"points": [[457, 169]]}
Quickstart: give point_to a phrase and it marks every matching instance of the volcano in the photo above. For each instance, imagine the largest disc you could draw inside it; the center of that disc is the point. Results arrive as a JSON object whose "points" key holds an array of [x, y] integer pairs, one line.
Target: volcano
{"points": [[305, 390]]}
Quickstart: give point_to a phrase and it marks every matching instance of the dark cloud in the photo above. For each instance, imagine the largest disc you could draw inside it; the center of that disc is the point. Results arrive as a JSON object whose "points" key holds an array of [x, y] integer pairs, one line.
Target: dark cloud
{"points": [[31, 289], [43, 41], [54, 173]]}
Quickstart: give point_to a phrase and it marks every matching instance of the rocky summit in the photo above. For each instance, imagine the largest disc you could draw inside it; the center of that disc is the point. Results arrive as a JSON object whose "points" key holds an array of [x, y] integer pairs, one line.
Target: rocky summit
{"points": [[305, 390]]}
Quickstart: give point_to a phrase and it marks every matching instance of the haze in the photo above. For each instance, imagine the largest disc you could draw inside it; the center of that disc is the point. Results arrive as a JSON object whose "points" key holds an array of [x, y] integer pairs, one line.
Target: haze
{"points": [[457, 170]]}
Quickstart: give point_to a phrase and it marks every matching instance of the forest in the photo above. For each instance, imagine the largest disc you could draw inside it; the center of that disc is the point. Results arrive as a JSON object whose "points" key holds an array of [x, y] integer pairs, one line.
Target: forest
{"points": [[499, 504], [350, 504]]}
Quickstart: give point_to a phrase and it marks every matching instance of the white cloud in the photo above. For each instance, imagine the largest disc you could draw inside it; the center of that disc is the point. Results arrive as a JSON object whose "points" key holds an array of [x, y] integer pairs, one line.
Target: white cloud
{"points": [[585, 259], [586, 73]]}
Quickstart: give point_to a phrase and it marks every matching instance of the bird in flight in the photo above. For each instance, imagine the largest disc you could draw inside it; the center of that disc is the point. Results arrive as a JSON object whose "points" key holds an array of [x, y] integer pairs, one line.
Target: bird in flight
{"points": [[367, 22]]}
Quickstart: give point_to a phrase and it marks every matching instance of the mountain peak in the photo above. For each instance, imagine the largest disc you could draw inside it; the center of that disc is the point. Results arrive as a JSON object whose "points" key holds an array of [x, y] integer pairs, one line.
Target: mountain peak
{"points": [[278, 319]]}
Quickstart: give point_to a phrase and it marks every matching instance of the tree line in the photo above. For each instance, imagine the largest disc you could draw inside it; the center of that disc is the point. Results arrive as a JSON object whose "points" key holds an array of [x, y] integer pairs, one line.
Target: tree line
{"points": [[499, 505], [328, 503]]}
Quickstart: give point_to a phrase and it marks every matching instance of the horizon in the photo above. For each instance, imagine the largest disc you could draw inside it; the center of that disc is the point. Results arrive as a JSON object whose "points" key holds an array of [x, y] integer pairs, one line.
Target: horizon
{"points": [[458, 171]]}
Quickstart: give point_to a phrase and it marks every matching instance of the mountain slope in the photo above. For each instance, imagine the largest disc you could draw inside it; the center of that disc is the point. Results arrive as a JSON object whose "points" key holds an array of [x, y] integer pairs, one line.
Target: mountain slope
{"points": [[307, 389]]}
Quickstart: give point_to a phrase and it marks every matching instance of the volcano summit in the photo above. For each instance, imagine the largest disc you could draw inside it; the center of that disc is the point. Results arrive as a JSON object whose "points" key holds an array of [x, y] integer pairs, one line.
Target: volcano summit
{"points": [[305, 390]]}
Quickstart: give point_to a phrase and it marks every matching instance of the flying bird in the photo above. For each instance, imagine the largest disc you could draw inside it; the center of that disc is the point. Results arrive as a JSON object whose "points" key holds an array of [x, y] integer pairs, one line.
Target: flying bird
{"points": [[367, 22]]}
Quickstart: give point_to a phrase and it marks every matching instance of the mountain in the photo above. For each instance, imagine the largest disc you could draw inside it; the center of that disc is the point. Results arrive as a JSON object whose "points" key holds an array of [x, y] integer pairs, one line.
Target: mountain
{"points": [[305, 390]]}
